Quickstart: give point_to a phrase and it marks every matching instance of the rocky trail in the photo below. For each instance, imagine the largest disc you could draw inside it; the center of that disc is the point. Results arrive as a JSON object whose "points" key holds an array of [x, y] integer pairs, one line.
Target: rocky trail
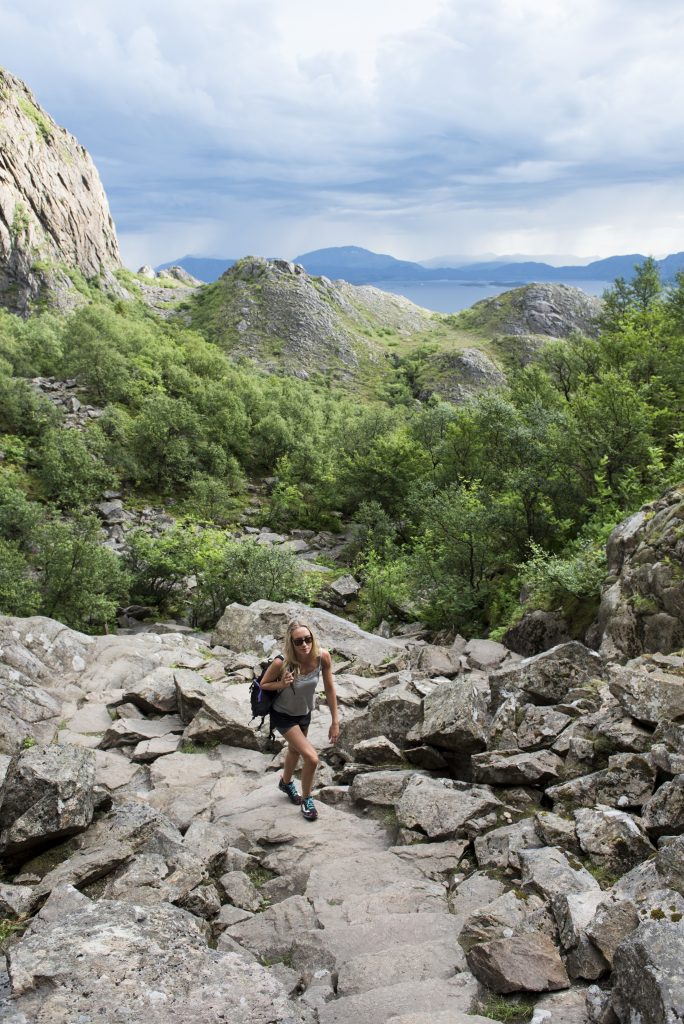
{"points": [[493, 833]]}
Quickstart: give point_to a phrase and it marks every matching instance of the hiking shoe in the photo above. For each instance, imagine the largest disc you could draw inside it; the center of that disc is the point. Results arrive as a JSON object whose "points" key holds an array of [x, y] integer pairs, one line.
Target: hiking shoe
{"points": [[290, 791], [308, 809]]}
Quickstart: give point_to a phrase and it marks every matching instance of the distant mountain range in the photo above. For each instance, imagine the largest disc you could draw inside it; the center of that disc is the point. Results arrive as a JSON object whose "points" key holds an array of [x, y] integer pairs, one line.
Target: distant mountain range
{"points": [[361, 266]]}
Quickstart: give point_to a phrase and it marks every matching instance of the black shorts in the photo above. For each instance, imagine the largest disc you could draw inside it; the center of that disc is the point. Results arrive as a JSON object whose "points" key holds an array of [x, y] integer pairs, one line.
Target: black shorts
{"points": [[281, 722]]}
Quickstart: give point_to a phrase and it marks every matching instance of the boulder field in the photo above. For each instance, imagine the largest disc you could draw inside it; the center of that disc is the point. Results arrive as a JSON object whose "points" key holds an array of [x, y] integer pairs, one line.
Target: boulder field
{"points": [[494, 832]]}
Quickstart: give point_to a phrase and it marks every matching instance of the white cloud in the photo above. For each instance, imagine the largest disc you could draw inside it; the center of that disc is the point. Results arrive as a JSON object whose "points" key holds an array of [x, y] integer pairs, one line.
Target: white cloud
{"points": [[254, 125]]}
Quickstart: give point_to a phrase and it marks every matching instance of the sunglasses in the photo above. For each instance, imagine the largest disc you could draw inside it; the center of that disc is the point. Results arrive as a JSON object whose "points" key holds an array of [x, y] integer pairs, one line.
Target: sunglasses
{"points": [[299, 641]]}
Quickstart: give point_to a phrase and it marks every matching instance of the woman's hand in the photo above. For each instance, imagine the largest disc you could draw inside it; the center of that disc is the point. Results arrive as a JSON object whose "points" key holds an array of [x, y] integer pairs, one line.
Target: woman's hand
{"points": [[287, 679], [334, 731]]}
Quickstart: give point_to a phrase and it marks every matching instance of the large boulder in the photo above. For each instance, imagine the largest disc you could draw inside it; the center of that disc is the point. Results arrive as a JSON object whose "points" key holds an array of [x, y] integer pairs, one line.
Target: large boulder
{"points": [[256, 627], [521, 963], [547, 678], [444, 809], [83, 960], [648, 984], [47, 795], [454, 717], [648, 693]]}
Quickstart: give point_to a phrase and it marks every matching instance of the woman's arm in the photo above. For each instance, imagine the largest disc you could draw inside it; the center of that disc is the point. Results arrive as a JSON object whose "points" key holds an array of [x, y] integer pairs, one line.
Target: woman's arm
{"points": [[330, 695], [274, 678]]}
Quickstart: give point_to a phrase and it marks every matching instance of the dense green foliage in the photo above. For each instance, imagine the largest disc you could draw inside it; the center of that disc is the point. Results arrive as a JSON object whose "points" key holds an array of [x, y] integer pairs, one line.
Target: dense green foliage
{"points": [[456, 506]]}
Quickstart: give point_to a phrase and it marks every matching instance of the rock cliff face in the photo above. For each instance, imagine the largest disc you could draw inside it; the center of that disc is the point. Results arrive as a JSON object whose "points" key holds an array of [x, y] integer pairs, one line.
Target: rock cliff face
{"points": [[53, 209], [642, 607]]}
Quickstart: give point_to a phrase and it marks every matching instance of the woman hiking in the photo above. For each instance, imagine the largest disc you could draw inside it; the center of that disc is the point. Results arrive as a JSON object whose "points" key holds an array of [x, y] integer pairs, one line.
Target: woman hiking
{"points": [[295, 675]]}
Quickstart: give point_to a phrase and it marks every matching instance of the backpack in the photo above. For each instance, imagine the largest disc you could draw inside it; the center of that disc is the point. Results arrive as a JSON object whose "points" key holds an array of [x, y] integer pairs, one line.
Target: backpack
{"points": [[262, 700]]}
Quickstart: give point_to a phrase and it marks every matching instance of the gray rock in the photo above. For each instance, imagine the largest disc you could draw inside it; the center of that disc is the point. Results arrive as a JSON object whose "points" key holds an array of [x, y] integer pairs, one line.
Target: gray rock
{"points": [[503, 917], [613, 921], [663, 814], [555, 830], [15, 900], [275, 933], [433, 660], [649, 696], [573, 913], [643, 608], [454, 717], [627, 782], [150, 963], [532, 768], [86, 866], [548, 872], [521, 963], [160, 746], [191, 689], [548, 677], [444, 809], [540, 727], [485, 654], [647, 974], [537, 631], [378, 751], [203, 901], [417, 963], [224, 717], [125, 732], [435, 861], [383, 789], [240, 892], [500, 847], [47, 795], [612, 838], [391, 714], [455, 995], [669, 864], [155, 692]]}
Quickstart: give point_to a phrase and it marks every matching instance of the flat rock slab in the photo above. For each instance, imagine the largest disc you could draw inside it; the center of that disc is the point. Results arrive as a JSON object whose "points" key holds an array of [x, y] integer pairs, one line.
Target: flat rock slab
{"points": [[417, 962], [548, 677], [650, 697], [456, 995], [521, 963], [150, 964]]}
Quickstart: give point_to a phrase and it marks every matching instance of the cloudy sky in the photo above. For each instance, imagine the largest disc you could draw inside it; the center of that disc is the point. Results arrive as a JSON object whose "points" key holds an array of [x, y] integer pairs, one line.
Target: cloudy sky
{"points": [[414, 127]]}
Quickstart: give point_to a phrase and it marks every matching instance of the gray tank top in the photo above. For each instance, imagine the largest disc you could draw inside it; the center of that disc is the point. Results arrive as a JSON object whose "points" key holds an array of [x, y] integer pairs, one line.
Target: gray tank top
{"points": [[299, 699]]}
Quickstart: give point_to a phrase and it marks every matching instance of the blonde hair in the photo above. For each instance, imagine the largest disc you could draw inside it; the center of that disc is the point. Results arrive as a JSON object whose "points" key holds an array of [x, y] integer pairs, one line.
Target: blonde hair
{"points": [[291, 663]]}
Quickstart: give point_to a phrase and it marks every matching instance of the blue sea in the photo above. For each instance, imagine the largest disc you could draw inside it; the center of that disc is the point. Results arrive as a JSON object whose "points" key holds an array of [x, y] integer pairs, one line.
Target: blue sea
{"points": [[450, 296]]}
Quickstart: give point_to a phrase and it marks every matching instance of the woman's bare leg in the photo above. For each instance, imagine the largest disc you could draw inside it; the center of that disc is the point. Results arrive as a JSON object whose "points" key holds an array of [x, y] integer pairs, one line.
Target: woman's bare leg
{"points": [[298, 745]]}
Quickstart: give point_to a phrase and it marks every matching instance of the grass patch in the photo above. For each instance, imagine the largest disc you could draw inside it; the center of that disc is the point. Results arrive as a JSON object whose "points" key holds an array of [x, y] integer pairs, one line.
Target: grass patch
{"points": [[8, 928], [259, 875], [512, 1011], [602, 874], [43, 125], [189, 747]]}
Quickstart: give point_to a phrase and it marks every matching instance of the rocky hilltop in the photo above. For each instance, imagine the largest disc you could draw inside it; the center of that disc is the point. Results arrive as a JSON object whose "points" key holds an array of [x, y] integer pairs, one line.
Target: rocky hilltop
{"points": [[274, 313], [54, 215], [497, 835]]}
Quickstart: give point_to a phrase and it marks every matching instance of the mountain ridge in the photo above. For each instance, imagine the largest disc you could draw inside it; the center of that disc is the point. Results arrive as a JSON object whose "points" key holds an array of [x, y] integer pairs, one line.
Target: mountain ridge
{"points": [[363, 266]]}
